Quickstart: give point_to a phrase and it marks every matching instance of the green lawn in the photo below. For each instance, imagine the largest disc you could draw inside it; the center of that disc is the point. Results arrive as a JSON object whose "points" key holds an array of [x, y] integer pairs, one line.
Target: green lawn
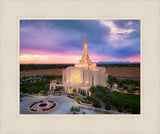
{"points": [[127, 102]]}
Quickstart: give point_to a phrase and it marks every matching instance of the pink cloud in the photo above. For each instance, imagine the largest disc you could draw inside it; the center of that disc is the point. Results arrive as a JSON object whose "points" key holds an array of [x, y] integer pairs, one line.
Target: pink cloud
{"points": [[43, 57]]}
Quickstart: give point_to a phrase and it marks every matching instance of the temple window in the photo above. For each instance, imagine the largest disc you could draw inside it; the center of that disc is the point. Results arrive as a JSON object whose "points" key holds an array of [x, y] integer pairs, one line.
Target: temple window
{"points": [[75, 78], [92, 80]]}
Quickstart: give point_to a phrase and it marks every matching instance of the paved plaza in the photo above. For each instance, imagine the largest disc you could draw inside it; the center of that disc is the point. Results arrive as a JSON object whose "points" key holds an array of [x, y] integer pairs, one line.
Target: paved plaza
{"points": [[64, 104]]}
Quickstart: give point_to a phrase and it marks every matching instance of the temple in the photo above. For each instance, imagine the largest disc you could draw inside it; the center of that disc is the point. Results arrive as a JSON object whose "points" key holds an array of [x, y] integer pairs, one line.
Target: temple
{"points": [[83, 75]]}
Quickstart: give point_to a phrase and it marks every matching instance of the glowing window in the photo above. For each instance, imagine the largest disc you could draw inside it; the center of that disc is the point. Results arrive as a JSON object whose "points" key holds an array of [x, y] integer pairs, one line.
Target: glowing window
{"points": [[75, 78], [71, 89]]}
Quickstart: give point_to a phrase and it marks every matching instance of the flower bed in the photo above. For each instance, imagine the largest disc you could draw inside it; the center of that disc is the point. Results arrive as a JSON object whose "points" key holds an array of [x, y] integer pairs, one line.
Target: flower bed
{"points": [[42, 106], [86, 108], [101, 111]]}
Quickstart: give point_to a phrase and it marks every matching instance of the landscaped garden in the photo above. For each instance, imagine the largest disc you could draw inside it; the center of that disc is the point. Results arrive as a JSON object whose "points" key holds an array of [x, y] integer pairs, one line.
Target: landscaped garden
{"points": [[127, 103], [37, 84], [126, 85], [116, 101]]}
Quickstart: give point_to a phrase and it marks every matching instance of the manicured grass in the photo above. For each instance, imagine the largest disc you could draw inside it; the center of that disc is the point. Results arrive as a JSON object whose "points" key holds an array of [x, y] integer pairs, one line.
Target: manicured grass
{"points": [[126, 102]]}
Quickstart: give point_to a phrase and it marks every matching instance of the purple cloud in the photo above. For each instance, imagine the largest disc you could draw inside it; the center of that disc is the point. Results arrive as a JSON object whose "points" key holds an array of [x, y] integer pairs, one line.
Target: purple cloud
{"points": [[114, 38]]}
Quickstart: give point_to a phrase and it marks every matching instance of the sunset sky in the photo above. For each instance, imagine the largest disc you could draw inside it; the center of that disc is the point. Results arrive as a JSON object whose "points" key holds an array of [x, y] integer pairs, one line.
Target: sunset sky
{"points": [[61, 41]]}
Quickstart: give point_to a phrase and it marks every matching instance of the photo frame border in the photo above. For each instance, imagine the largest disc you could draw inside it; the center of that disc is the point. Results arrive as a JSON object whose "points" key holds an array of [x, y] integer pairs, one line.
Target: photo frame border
{"points": [[5, 125]]}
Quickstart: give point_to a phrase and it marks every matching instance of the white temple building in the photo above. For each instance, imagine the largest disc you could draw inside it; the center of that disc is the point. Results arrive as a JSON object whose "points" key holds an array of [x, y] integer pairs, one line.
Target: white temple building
{"points": [[83, 75]]}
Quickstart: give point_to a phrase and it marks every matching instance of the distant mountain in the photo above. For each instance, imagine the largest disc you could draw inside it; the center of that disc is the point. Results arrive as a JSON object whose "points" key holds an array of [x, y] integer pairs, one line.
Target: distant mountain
{"points": [[116, 62]]}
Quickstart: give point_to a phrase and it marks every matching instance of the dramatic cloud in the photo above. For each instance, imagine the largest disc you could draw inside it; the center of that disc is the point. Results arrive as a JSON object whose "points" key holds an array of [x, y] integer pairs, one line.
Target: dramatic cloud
{"points": [[43, 41]]}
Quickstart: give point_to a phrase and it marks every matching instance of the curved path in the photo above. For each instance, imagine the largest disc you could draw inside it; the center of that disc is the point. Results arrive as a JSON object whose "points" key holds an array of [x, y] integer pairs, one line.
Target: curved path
{"points": [[64, 104]]}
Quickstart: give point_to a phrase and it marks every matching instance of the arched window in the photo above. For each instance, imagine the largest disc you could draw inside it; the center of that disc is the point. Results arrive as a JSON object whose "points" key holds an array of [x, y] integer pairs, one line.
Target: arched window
{"points": [[92, 80]]}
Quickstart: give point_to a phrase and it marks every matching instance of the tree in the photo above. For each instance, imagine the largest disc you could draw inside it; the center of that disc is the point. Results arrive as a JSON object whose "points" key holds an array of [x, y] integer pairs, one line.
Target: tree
{"points": [[92, 89], [101, 93], [111, 80]]}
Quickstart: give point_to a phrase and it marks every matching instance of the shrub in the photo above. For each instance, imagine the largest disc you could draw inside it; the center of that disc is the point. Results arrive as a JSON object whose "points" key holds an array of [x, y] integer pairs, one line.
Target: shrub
{"points": [[96, 104], [119, 109], [82, 100], [107, 106], [72, 94], [129, 90], [83, 93], [134, 89], [85, 100], [76, 109], [72, 109], [126, 106], [114, 104], [42, 92], [89, 98], [128, 110], [78, 99], [125, 88], [135, 111], [58, 89], [83, 112]]}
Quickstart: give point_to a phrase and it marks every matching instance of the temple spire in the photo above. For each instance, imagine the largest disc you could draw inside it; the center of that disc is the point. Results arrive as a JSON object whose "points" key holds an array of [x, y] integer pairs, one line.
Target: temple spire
{"points": [[85, 50]]}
